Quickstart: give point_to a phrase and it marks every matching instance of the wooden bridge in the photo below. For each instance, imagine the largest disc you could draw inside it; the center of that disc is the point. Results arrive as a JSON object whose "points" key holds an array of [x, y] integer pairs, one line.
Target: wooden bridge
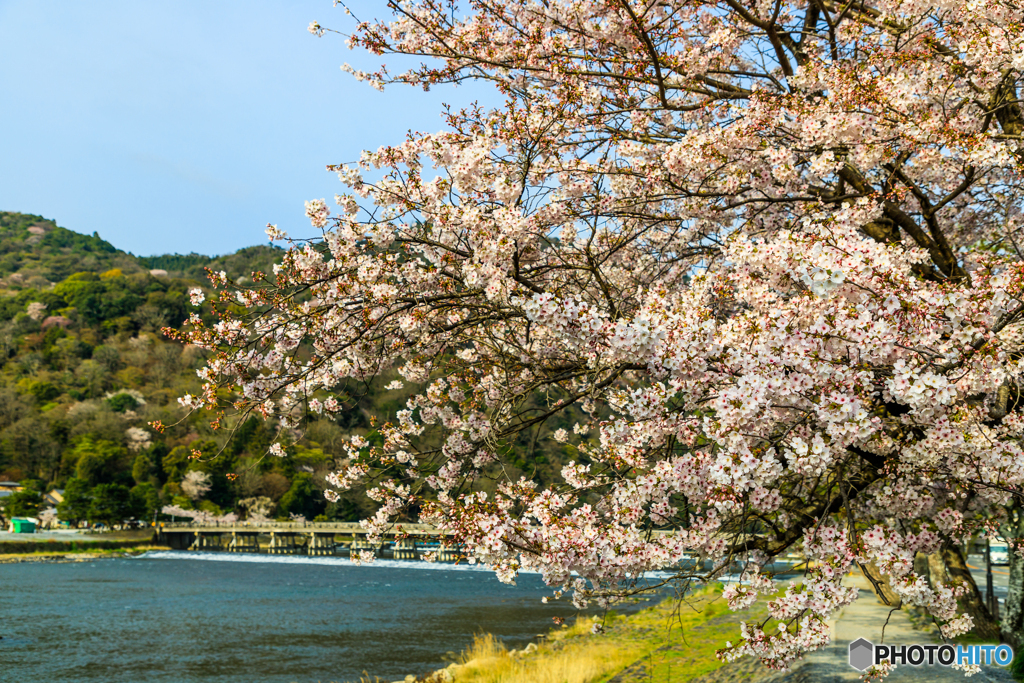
{"points": [[401, 542]]}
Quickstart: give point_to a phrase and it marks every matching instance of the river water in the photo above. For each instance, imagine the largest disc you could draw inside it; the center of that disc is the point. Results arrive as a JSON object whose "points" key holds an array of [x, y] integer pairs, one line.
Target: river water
{"points": [[216, 617]]}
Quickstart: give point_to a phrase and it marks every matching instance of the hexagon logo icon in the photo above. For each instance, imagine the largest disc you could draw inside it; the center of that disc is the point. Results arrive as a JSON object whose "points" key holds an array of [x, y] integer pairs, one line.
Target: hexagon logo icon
{"points": [[862, 654]]}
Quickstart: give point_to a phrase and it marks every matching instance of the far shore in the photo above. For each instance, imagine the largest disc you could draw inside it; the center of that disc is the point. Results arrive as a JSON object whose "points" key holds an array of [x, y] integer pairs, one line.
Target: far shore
{"points": [[82, 555]]}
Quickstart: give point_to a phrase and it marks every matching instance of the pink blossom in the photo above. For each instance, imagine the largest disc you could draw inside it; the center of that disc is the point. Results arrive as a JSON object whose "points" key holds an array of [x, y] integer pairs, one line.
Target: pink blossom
{"points": [[762, 289]]}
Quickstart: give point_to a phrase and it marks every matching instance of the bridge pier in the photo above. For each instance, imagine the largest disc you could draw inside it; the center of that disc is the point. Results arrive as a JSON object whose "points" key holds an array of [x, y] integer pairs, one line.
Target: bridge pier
{"points": [[206, 541], [320, 543], [179, 541], [244, 542], [282, 543], [404, 549], [448, 552]]}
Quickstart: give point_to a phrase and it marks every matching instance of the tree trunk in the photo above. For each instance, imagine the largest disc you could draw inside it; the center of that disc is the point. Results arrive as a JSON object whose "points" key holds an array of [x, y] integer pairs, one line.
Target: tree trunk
{"points": [[972, 603], [948, 567], [1013, 609]]}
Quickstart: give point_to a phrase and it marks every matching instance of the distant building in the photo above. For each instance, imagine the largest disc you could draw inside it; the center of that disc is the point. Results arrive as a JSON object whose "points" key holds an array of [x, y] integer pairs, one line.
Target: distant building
{"points": [[54, 497], [10, 486]]}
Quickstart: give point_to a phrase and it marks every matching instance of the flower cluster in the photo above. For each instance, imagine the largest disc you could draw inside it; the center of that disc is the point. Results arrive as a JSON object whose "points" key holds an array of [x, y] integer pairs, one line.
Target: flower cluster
{"points": [[777, 298]]}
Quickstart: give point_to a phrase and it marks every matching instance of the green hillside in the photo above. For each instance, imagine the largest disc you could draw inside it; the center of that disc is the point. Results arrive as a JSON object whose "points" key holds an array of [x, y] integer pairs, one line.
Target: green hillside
{"points": [[84, 369], [34, 249], [34, 252]]}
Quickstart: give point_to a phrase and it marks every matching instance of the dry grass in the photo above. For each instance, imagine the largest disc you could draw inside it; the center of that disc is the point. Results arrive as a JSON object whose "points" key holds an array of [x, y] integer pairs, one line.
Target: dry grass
{"points": [[671, 642], [584, 661]]}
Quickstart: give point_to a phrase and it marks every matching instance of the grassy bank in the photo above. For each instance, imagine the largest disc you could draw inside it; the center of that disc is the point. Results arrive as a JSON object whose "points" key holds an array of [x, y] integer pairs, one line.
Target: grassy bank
{"points": [[43, 552], [672, 642], [52, 546]]}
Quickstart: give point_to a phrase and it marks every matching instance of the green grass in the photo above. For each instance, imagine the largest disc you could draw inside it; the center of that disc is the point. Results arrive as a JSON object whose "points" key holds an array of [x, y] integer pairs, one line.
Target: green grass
{"points": [[671, 642], [679, 640], [79, 550]]}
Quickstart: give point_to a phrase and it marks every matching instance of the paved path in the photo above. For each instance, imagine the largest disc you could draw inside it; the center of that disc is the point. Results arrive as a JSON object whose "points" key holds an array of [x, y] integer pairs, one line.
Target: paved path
{"points": [[1000, 576], [78, 536], [47, 535], [864, 619]]}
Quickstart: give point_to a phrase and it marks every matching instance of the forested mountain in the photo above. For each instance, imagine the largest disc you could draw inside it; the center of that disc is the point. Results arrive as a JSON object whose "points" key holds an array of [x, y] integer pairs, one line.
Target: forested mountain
{"points": [[237, 265], [85, 368]]}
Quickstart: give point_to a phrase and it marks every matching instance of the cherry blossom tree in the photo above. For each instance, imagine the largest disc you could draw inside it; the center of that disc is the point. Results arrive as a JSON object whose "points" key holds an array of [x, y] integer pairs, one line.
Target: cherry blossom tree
{"points": [[199, 516], [770, 249], [196, 484], [138, 439], [257, 509]]}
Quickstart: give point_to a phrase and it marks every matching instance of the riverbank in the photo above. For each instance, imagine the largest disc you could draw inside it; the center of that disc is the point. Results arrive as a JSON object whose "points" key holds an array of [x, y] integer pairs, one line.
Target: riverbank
{"points": [[676, 642], [670, 642], [73, 546], [84, 554]]}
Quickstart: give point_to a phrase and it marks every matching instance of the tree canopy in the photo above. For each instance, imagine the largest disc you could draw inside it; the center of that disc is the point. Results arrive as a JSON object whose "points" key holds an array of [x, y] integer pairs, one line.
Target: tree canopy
{"points": [[765, 255]]}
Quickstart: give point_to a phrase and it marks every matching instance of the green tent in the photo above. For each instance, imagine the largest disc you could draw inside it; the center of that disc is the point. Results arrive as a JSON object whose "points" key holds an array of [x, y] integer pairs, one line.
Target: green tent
{"points": [[23, 526]]}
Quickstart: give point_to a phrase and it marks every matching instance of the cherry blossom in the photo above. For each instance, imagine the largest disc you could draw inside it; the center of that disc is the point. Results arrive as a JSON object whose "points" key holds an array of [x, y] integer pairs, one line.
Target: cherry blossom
{"points": [[769, 252]]}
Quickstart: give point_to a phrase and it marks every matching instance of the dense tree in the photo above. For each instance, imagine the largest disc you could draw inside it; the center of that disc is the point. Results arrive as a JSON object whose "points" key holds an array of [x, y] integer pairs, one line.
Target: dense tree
{"points": [[768, 251], [25, 503], [75, 506], [142, 468], [144, 501], [302, 497], [122, 402], [97, 460], [111, 504], [84, 369], [30, 443]]}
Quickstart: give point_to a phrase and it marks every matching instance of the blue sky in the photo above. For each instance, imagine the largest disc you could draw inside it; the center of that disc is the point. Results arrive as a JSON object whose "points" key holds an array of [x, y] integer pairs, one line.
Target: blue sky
{"points": [[188, 126]]}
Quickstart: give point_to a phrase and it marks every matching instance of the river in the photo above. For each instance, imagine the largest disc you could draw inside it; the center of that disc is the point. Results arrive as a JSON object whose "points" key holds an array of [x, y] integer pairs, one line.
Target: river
{"points": [[216, 617]]}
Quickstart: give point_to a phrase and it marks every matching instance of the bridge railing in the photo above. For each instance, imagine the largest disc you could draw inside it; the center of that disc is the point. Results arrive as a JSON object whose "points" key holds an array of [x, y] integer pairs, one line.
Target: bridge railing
{"points": [[411, 527], [342, 527]]}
